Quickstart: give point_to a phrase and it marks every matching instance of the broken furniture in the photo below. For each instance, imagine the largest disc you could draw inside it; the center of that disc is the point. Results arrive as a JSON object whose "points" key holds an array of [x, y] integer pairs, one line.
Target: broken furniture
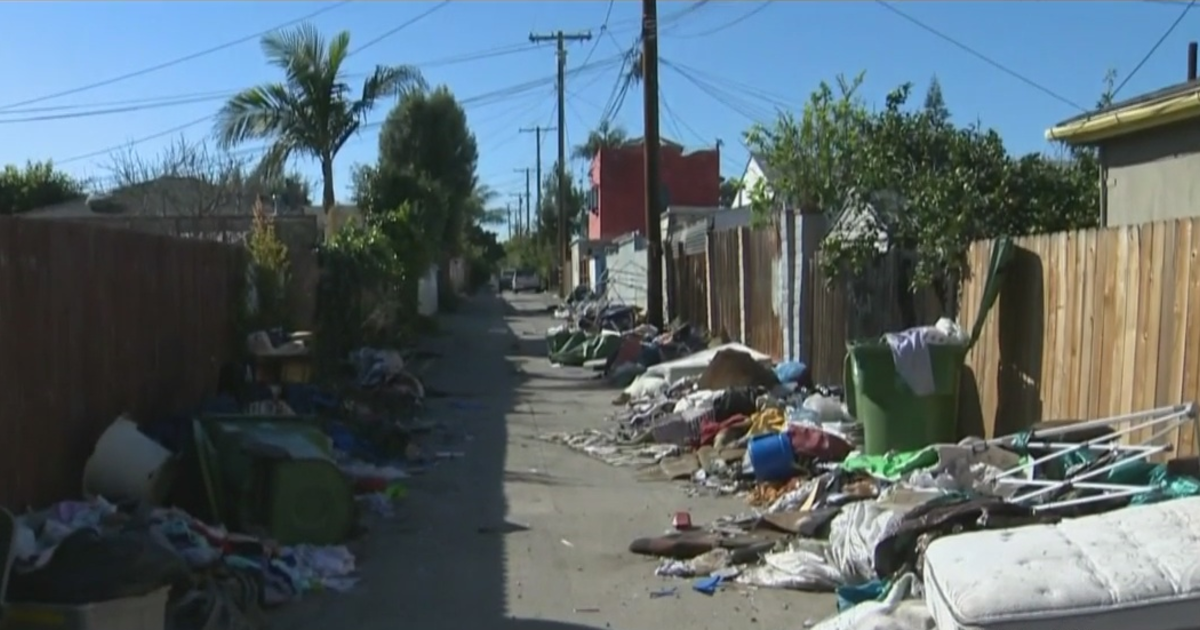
{"points": [[1113, 464], [277, 475]]}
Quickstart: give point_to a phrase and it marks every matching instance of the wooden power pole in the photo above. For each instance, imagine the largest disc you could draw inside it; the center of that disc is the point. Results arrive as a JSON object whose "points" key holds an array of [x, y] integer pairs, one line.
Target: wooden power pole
{"points": [[654, 245], [538, 131], [528, 223], [561, 39]]}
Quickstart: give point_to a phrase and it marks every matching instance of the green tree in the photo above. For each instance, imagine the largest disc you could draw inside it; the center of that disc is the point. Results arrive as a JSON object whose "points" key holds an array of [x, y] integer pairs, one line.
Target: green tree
{"points": [[730, 187], [938, 186], [935, 103], [36, 185], [428, 155], [549, 212], [605, 136], [311, 112]]}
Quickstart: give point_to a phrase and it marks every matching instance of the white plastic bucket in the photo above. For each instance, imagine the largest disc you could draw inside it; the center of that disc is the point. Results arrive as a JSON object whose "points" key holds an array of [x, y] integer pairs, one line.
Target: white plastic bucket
{"points": [[126, 465]]}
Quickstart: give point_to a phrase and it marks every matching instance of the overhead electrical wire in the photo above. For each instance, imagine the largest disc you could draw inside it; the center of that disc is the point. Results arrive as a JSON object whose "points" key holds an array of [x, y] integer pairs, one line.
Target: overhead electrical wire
{"points": [[1154, 48], [980, 56], [177, 61], [396, 29], [603, 30], [164, 101], [478, 100], [717, 29], [729, 100], [777, 100]]}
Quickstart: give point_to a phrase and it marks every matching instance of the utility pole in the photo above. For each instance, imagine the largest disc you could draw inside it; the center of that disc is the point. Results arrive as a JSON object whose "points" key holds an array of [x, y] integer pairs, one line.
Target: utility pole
{"points": [[528, 223], [520, 230], [538, 131], [561, 39], [508, 212], [654, 245]]}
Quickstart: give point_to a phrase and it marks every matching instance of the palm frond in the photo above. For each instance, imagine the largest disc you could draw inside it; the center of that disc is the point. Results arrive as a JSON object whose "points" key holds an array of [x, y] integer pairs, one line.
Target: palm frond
{"points": [[259, 112]]}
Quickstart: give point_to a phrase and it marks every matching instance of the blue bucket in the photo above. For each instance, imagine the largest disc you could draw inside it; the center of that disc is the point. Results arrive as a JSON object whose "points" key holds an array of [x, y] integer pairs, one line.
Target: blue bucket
{"points": [[772, 457]]}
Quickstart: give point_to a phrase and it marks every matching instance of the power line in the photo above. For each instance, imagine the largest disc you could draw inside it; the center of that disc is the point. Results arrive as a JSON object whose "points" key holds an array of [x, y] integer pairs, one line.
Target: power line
{"points": [[1154, 48], [481, 99], [775, 100], [602, 30], [980, 56], [402, 26], [175, 62], [746, 16], [162, 101], [714, 92]]}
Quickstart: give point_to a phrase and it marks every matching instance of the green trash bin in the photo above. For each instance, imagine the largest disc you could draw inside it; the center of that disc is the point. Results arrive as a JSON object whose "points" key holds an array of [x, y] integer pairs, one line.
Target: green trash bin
{"points": [[892, 416]]}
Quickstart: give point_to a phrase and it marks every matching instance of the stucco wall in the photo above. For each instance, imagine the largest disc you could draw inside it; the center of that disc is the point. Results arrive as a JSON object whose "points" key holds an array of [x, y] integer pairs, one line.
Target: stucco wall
{"points": [[1152, 175], [626, 264], [619, 176]]}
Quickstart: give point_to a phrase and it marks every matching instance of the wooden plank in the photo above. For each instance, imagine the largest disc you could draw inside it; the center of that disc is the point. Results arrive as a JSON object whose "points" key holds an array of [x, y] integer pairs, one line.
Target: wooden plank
{"points": [[1117, 338], [1088, 315], [1191, 361], [1149, 309], [1171, 348]]}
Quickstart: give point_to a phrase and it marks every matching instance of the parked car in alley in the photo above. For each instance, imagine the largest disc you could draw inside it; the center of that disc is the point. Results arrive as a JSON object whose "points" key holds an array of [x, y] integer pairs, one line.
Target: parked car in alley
{"points": [[506, 279], [526, 280]]}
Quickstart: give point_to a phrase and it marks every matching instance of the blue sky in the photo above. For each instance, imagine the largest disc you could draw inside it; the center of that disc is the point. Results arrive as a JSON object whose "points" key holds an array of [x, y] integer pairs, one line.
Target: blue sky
{"points": [[749, 58]]}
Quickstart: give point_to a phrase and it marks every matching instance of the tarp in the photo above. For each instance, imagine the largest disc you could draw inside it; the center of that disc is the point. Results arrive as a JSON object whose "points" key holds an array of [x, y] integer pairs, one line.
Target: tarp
{"points": [[694, 364]]}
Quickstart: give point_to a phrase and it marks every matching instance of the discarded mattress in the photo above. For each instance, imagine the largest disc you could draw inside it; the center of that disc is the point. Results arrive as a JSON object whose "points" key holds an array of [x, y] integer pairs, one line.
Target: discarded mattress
{"points": [[1132, 568], [694, 364]]}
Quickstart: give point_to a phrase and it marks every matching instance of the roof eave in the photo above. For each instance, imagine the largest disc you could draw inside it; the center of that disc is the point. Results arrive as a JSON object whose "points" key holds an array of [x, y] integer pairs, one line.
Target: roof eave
{"points": [[1128, 120]]}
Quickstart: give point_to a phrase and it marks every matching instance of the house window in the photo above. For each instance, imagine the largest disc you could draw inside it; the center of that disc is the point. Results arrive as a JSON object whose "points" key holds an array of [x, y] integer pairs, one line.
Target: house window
{"points": [[592, 200]]}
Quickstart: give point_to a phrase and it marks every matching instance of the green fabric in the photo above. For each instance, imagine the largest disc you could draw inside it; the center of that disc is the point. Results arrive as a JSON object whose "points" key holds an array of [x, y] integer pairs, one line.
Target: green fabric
{"points": [[1134, 472], [891, 466], [564, 340], [598, 347]]}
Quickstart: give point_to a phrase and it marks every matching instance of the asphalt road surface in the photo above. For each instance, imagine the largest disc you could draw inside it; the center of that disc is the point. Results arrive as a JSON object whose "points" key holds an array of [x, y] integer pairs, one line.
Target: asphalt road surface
{"points": [[520, 534]]}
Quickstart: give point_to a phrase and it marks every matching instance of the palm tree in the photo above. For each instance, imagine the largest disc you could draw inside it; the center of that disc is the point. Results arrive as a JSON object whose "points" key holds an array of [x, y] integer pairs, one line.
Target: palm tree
{"points": [[311, 112], [479, 206], [606, 136]]}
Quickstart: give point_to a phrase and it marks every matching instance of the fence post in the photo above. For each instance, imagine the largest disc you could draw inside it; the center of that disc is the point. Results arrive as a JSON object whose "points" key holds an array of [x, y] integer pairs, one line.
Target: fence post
{"points": [[743, 282], [710, 277], [791, 337]]}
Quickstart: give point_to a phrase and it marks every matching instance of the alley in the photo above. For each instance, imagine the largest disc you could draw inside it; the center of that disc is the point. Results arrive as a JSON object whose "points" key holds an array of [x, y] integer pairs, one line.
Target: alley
{"points": [[523, 534]]}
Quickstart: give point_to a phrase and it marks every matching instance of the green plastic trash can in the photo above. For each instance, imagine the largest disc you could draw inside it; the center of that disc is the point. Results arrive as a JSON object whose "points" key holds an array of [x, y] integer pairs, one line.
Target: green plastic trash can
{"points": [[893, 418]]}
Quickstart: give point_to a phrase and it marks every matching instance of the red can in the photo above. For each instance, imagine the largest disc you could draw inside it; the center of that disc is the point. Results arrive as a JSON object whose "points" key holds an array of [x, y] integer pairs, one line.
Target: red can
{"points": [[682, 521]]}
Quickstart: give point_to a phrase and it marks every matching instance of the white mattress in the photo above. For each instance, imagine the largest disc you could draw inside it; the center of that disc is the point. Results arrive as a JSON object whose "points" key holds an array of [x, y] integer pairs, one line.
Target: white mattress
{"points": [[1136, 568], [695, 364]]}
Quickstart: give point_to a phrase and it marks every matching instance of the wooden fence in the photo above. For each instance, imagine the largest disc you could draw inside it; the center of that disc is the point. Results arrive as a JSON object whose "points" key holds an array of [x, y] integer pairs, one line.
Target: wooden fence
{"points": [[730, 287], [835, 318], [97, 322], [1089, 324]]}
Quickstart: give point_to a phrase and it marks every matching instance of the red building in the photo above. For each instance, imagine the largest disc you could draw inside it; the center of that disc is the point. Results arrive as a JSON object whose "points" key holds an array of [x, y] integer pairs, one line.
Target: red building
{"points": [[617, 201]]}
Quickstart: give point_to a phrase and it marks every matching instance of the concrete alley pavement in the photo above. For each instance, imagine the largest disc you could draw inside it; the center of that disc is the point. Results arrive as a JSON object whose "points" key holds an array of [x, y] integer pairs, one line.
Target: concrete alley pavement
{"points": [[520, 534]]}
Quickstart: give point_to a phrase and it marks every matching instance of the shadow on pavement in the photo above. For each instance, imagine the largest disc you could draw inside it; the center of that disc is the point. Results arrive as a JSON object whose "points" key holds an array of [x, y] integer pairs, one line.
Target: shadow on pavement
{"points": [[441, 562]]}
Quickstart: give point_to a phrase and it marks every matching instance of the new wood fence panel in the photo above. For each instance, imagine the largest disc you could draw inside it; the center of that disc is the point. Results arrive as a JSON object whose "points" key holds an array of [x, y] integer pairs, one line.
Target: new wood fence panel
{"points": [[726, 288], [93, 323], [764, 330], [1089, 324]]}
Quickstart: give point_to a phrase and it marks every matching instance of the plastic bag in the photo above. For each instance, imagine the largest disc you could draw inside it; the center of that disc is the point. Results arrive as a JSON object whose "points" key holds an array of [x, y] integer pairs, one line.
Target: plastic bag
{"points": [[893, 613], [826, 409], [801, 568], [853, 535]]}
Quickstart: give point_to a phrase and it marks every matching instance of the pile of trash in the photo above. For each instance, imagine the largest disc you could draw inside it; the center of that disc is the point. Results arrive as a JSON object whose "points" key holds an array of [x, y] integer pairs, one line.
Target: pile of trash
{"points": [[835, 508], [247, 502]]}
